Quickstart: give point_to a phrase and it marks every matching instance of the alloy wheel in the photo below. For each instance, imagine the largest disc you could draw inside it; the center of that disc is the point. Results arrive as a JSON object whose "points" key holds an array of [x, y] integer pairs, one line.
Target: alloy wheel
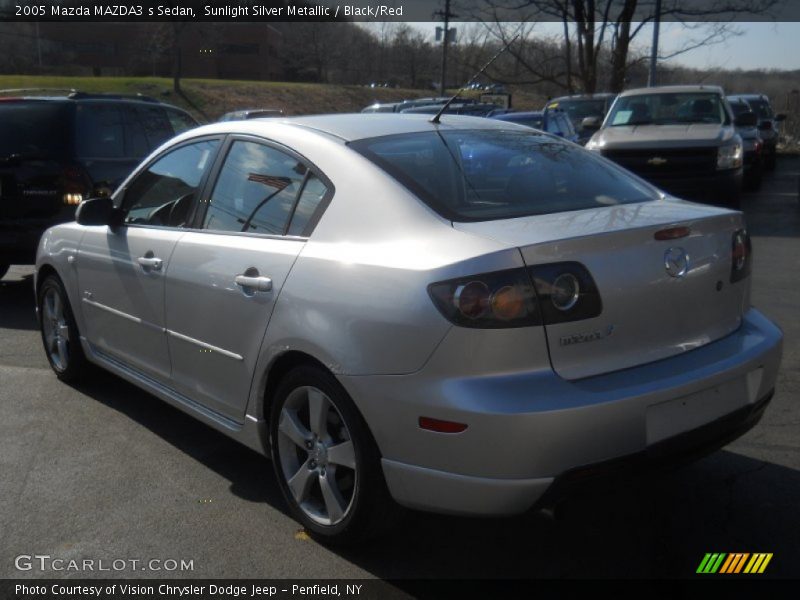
{"points": [[317, 457]]}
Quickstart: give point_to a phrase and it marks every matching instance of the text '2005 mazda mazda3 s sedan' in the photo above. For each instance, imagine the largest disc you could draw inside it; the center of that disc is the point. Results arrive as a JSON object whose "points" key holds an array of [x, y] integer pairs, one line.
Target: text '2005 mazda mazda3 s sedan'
{"points": [[453, 317]]}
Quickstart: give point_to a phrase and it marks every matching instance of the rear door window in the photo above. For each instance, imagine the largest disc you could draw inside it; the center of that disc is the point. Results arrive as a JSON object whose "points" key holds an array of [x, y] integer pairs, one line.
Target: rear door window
{"points": [[314, 192], [100, 131], [255, 191]]}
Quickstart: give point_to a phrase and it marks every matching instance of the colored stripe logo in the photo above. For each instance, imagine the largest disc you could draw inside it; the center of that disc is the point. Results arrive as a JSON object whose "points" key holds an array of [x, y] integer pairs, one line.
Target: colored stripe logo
{"points": [[734, 562]]}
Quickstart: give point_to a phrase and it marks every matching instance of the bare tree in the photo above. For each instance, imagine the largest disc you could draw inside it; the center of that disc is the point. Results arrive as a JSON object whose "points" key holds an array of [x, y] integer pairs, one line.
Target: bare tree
{"points": [[598, 29]]}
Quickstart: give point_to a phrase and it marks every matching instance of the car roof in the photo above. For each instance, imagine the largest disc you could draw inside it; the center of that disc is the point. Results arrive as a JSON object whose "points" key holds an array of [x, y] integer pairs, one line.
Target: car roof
{"points": [[524, 115], [597, 96], [750, 96], [673, 89], [350, 127], [91, 98]]}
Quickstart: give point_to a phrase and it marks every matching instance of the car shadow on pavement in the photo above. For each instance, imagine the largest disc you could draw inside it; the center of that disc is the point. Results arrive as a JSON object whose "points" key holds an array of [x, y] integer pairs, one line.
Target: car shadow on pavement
{"points": [[17, 304], [250, 474], [659, 527]]}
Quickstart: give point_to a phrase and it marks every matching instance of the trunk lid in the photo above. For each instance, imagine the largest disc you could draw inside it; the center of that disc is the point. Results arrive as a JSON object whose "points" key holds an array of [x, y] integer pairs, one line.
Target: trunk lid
{"points": [[647, 314]]}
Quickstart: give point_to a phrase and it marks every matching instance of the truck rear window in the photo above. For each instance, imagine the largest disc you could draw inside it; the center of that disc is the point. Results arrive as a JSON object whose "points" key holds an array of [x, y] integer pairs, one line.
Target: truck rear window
{"points": [[482, 175], [33, 129]]}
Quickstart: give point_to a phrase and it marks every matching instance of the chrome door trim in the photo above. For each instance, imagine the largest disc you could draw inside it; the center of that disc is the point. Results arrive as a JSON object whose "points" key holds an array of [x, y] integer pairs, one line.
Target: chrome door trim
{"points": [[124, 315], [205, 345]]}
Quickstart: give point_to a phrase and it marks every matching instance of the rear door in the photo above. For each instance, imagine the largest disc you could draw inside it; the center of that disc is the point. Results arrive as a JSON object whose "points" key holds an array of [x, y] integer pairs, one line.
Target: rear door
{"points": [[121, 270], [226, 275]]}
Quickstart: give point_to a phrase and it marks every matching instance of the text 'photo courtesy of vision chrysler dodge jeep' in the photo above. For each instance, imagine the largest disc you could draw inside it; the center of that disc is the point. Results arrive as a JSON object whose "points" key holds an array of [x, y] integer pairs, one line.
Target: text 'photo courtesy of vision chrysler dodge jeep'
{"points": [[461, 316], [683, 139]]}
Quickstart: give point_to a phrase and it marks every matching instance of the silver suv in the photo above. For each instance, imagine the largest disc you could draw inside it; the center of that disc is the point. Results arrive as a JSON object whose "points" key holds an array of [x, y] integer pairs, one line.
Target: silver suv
{"points": [[681, 138]]}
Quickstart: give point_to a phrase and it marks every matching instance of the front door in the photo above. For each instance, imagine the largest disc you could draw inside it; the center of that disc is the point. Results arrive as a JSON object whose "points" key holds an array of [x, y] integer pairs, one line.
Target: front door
{"points": [[121, 270]]}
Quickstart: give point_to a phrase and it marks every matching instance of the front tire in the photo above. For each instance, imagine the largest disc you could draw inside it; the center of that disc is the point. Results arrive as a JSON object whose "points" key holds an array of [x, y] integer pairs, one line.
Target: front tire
{"points": [[3, 269], [325, 459], [60, 332]]}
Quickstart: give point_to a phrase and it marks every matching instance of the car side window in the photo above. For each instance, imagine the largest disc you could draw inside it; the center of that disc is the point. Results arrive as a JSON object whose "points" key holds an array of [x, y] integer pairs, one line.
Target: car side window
{"points": [[180, 121], [147, 128], [255, 191], [164, 193], [313, 193], [100, 131]]}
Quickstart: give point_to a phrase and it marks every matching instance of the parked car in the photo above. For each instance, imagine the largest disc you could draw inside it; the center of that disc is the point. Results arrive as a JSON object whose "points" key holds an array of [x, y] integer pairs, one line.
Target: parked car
{"points": [[752, 143], [251, 113], [56, 151], [475, 109], [586, 111], [681, 138], [768, 124], [403, 105], [552, 121], [379, 107], [389, 327]]}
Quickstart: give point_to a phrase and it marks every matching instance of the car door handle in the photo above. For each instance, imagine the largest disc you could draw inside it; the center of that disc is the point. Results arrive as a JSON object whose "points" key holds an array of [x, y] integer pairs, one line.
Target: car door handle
{"points": [[150, 262], [261, 284]]}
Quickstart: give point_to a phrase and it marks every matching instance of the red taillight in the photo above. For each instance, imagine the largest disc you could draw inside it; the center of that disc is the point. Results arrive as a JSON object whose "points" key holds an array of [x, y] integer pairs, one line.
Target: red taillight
{"points": [[741, 255], [440, 426], [543, 294], [488, 301], [757, 147], [672, 233]]}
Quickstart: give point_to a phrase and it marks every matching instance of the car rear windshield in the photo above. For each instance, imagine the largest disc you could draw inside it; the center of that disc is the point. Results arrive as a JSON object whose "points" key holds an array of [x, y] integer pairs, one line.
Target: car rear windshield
{"points": [[482, 175], [33, 129], [668, 109], [578, 110], [761, 108]]}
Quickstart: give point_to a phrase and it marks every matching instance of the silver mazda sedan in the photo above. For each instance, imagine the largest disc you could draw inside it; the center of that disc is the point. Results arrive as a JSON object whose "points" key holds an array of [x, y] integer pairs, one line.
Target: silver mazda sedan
{"points": [[462, 317]]}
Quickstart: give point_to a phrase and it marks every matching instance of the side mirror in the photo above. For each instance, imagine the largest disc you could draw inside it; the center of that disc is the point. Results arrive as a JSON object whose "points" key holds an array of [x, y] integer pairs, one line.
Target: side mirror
{"points": [[591, 123], [98, 211], [746, 119], [780, 117]]}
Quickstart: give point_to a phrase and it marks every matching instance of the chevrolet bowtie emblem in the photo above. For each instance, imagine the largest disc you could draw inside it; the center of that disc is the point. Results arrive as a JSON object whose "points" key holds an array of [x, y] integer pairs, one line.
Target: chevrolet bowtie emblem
{"points": [[657, 161]]}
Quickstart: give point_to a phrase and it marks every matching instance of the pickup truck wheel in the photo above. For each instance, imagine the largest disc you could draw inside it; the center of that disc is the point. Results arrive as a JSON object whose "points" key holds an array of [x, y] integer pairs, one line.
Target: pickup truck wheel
{"points": [[3, 270]]}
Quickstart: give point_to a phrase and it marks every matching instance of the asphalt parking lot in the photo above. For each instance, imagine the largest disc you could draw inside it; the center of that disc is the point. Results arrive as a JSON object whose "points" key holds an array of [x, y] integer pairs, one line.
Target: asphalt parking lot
{"points": [[104, 471]]}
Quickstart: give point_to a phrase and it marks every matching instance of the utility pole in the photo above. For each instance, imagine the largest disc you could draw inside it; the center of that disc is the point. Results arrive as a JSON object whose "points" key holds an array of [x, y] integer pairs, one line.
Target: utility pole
{"points": [[653, 76], [445, 15]]}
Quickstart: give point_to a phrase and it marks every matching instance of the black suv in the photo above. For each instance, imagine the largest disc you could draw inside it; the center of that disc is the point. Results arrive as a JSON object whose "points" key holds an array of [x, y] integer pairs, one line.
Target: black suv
{"points": [[56, 151]]}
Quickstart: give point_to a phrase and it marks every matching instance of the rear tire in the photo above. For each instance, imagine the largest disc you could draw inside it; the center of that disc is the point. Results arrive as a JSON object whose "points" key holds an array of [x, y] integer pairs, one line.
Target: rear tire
{"points": [[326, 461], [3, 270], [60, 336]]}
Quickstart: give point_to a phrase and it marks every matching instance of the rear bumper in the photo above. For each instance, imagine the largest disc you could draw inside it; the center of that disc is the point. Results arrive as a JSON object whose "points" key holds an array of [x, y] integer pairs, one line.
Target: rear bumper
{"points": [[529, 431]]}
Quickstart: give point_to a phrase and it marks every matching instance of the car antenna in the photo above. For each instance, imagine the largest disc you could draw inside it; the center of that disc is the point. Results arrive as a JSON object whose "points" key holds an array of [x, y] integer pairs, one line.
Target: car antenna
{"points": [[436, 117]]}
